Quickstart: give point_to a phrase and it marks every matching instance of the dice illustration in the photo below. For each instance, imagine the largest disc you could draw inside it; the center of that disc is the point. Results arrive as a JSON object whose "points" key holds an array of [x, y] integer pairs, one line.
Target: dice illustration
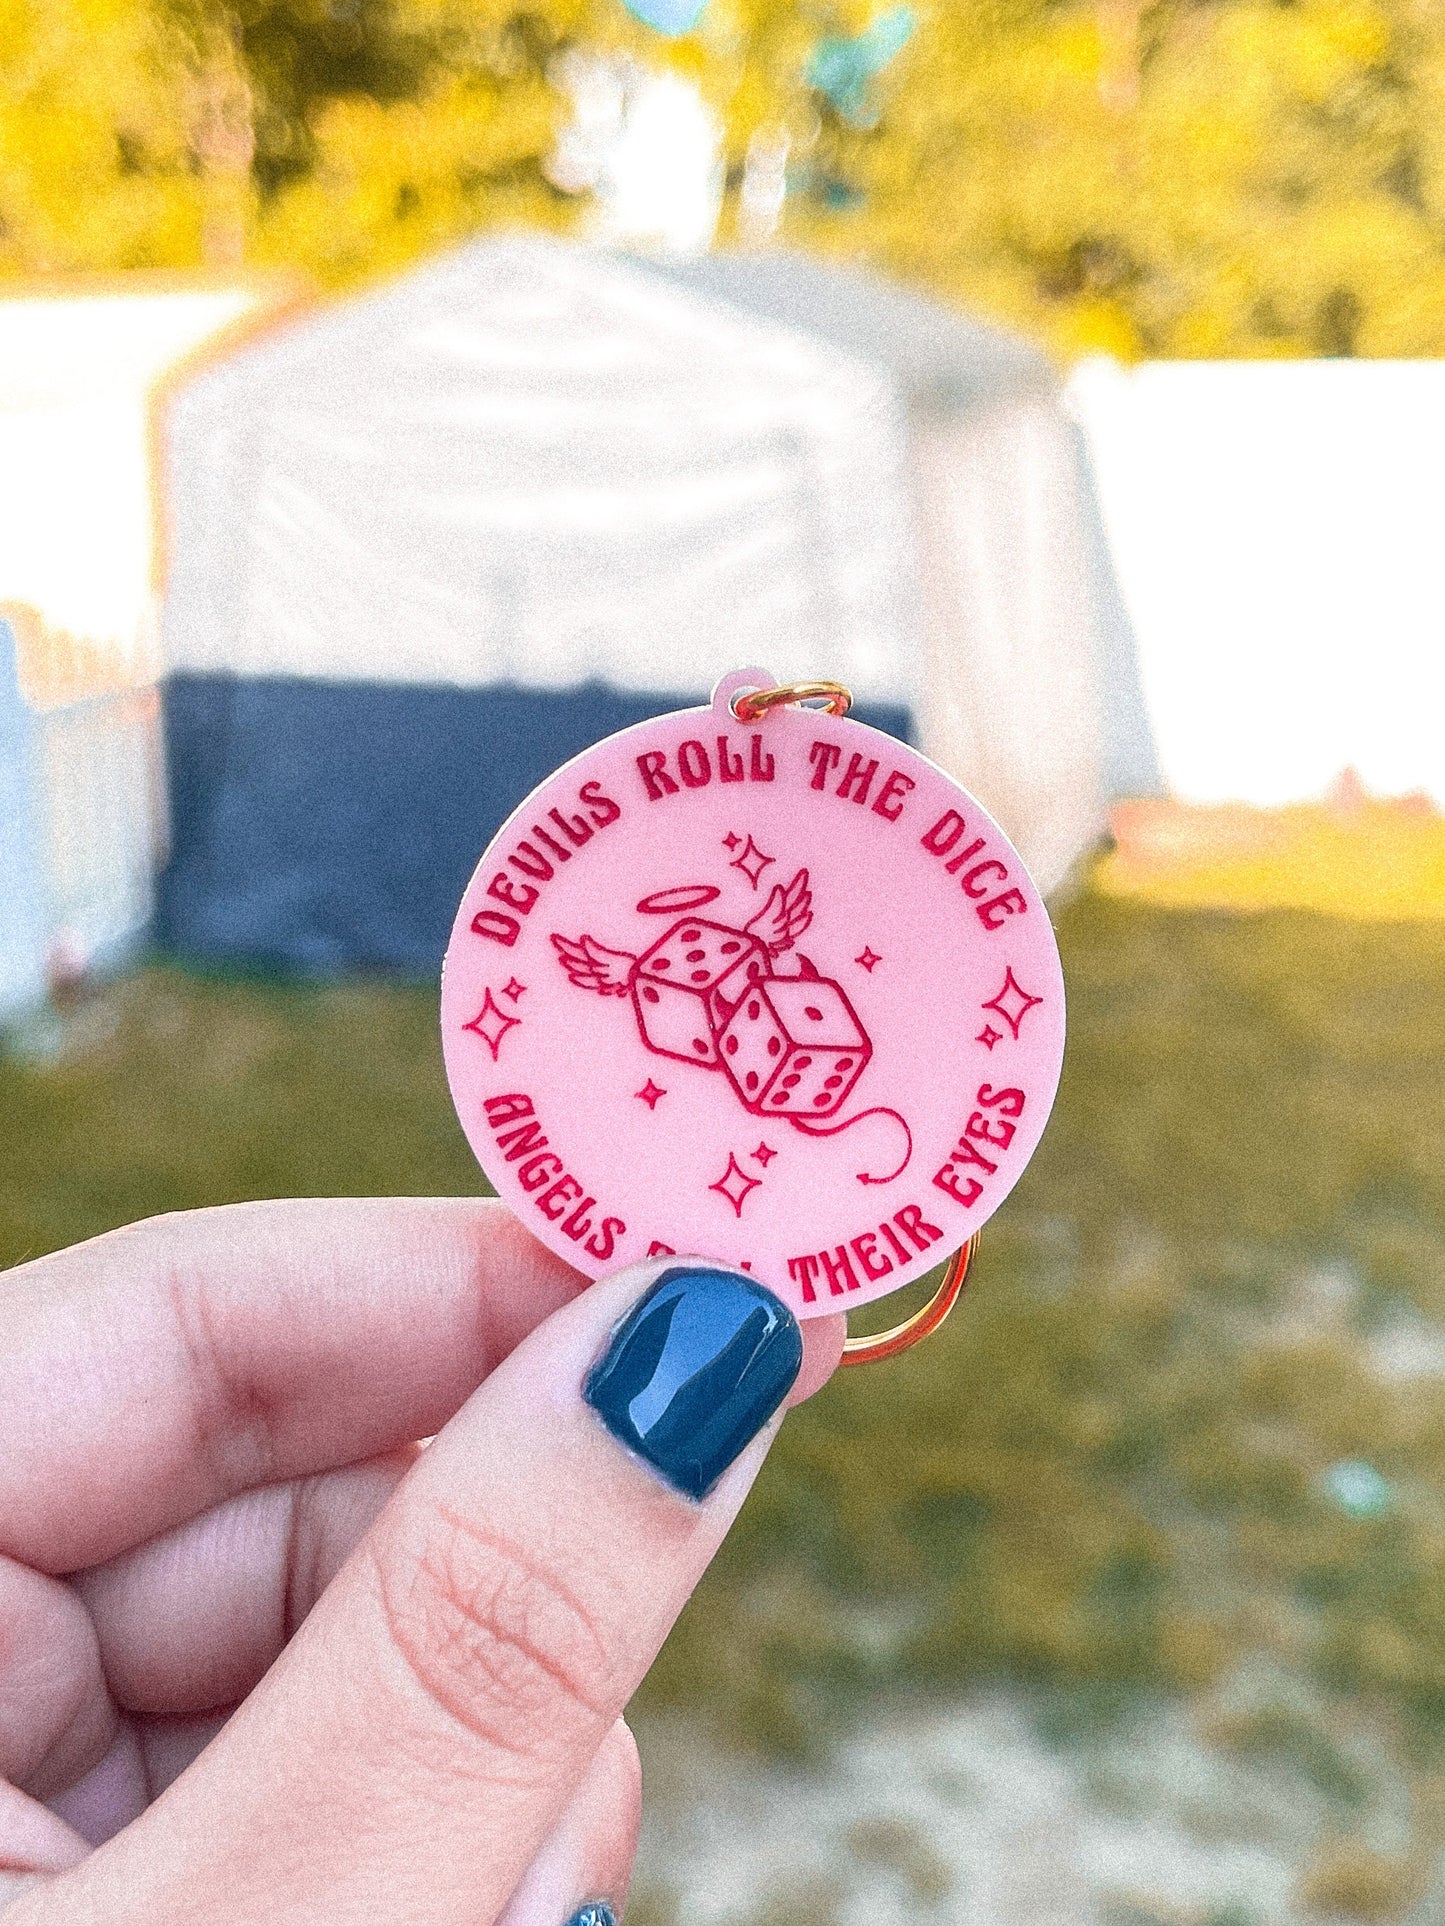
{"points": [[685, 986], [793, 1047], [676, 1022], [708, 958]]}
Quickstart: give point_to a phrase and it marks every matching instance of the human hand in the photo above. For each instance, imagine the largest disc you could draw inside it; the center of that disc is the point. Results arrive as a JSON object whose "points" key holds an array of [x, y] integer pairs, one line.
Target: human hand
{"points": [[264, 1660]]}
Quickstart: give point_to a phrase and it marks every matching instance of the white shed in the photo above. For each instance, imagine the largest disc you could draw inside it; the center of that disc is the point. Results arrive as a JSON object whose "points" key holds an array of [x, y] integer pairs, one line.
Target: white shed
{"points": [[429, 541]]}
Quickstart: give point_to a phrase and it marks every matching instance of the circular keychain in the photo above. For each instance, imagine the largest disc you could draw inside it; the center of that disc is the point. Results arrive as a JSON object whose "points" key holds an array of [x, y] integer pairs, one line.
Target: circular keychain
{"points": [[757, 983]]}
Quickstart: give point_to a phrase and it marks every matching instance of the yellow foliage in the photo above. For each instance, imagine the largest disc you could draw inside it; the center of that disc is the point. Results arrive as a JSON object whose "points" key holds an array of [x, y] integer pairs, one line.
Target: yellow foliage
{"points": [[392, 182], [1375, 861], [1152, 178], [95, 169], [1243, 179]]}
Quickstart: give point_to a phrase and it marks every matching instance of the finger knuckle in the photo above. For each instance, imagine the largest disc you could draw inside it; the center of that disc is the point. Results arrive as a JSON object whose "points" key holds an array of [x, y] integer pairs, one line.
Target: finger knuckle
{"points": [[493, 1635]]}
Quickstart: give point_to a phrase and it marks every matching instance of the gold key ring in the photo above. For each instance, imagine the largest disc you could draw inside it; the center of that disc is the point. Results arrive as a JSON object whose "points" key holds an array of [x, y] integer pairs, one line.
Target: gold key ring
{"points": [[922, 1324], [753, 704]]}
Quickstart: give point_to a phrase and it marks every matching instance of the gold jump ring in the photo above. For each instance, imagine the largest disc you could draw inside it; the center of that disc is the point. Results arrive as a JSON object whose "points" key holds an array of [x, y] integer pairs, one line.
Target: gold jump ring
{"points": [[922, 1324], [753, 704]]}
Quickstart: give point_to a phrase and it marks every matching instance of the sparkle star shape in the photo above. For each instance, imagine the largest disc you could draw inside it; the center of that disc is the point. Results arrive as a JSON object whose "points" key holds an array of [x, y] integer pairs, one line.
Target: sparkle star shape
{"points": [[1013, 1002], [649, 1094], [514, 989], [752, 862], [492, 1024], [988, 1036], [868, 959], [764, 1155], [731, 842], [735, 1184]]}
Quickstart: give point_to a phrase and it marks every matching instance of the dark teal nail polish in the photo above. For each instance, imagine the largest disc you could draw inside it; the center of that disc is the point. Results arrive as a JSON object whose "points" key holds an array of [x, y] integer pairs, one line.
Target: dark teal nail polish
{"points": [[695, 1370], [598, 1913]]}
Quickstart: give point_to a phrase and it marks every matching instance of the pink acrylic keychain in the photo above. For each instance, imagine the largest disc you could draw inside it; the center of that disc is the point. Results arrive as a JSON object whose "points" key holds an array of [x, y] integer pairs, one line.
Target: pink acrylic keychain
{"points": [[756, 983]]}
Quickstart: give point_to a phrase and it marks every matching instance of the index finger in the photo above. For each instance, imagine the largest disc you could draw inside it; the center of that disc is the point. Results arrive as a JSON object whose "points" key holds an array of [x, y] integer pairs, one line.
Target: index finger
{"points": [[151, 1373]]}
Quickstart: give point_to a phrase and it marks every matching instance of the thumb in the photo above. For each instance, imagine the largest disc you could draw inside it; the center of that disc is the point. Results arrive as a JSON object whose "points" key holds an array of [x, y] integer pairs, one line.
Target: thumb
{"points": [[419, 1738]]}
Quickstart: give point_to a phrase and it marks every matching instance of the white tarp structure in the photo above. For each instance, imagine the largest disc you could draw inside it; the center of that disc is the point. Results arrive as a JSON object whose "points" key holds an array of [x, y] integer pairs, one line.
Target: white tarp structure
{"points": [[530, 464], [530, 470], [1008, 645], [80, 794], [1278, 530]]}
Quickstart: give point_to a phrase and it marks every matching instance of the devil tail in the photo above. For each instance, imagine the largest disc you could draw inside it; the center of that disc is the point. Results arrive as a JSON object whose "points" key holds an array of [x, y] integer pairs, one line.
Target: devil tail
{"points": [[834, 1130]]}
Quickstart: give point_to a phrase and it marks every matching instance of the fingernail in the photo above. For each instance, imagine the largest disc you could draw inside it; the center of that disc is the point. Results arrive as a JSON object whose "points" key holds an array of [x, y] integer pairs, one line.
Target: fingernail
{"points": [[694, 1371], [599, 1913]]}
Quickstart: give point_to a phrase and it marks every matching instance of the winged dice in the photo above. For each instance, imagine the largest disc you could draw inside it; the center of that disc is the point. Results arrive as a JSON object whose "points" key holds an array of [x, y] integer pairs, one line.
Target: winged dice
{"points": [[708, 994]]}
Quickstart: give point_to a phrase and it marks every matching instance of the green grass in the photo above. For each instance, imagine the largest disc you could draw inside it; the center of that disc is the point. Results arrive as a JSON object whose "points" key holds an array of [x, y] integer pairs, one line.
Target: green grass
{"points": [[1103, 1475], [208, 1092]]}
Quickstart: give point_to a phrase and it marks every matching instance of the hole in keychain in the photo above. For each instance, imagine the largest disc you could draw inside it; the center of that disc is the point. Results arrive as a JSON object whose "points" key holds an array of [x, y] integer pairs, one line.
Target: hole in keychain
{"points": [[752, 705]]}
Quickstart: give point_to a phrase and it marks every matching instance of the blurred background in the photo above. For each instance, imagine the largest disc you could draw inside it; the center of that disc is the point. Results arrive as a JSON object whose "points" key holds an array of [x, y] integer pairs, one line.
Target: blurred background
{"points": [[398, 395]]}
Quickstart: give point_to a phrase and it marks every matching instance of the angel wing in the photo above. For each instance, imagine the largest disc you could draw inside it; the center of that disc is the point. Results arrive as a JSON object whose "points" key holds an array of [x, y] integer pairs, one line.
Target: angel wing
{"points": [[592, 966], [786, 914]]}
